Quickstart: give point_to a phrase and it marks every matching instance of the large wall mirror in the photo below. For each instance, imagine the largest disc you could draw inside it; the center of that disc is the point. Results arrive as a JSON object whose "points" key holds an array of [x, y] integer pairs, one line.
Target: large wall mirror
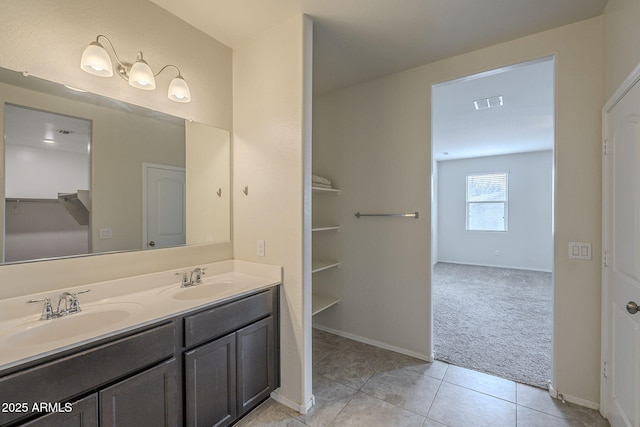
{"points": [[84, 174]]}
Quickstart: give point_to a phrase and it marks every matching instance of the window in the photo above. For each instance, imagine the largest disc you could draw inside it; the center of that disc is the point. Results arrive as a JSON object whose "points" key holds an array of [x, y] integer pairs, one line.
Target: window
{"points": [[487, 202]]}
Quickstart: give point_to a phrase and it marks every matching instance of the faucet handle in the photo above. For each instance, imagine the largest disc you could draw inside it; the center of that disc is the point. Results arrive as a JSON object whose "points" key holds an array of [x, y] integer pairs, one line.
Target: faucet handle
{"points": [[47, 310], [74, 306], [201, 272], [185, 279]]}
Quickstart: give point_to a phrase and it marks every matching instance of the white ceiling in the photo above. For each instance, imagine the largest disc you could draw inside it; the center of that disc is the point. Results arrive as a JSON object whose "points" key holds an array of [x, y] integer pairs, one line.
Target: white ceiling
{"points": [[28, 127], [524, 123], [359, 40]]}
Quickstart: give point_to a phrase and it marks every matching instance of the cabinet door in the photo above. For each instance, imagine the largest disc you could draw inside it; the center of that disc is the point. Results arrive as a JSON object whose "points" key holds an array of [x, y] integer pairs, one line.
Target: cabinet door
{"points": [[256, 363], [147, 399], [84, 413], [210, 383]]}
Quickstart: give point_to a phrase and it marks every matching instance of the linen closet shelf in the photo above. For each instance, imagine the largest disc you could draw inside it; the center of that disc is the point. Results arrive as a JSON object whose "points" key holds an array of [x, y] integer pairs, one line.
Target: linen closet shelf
{"points": [[322, 302]]}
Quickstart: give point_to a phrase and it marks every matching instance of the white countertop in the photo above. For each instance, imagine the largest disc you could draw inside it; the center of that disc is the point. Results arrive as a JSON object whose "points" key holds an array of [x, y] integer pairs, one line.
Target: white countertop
{"points": [[117, 306]]}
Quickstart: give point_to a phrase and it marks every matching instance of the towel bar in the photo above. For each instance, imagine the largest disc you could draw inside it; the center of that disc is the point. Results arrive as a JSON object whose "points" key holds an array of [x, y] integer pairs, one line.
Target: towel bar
{"points": [[402, 215]]}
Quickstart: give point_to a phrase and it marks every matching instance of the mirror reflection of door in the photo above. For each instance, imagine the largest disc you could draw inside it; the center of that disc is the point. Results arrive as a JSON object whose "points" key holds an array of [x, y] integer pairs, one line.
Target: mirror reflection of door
{"points": [[163, 206], [47, 182]]}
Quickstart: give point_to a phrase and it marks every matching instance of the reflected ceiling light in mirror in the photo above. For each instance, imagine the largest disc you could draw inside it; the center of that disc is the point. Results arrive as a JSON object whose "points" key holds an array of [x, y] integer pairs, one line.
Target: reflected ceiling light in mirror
{"points": [[96, 60], [49, 141]]}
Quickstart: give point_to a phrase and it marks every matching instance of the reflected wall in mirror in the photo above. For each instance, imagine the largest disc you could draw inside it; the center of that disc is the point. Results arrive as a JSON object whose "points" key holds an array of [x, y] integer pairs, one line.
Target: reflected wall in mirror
{"points": [[47, 181], [123, 138]]}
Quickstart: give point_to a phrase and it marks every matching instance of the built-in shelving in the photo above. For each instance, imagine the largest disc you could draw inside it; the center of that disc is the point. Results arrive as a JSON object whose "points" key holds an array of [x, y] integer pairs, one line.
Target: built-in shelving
{"points": [[325, 190], [317, 265], [325, 228], [320, 303]]}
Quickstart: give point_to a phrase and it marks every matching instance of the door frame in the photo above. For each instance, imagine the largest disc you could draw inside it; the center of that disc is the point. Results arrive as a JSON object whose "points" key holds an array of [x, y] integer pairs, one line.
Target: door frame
{"points": [[606, 340], [434, 201], [145, 167]]}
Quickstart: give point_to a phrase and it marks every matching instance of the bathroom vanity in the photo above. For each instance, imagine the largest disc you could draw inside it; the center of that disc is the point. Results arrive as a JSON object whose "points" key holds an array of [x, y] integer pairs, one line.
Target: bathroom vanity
{"points": [[201, 355]]}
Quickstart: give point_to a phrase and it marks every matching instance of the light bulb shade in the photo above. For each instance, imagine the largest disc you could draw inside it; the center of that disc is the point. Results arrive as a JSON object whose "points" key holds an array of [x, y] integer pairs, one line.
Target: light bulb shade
{"points": [[95, 60], [179, 90], [141, 76]]}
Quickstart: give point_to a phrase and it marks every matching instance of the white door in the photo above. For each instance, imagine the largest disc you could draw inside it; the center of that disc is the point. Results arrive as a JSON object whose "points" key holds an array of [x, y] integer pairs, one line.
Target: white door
{"points": [[621, 272], [163, 206]]}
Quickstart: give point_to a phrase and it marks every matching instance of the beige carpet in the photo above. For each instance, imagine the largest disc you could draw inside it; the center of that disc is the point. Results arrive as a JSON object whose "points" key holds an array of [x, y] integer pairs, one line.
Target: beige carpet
{"points": [[494, 320]]}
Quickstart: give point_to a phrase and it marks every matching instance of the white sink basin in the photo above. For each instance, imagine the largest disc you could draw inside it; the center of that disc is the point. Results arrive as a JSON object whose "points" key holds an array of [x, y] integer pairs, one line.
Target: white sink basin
{"points": [[89, 320]]}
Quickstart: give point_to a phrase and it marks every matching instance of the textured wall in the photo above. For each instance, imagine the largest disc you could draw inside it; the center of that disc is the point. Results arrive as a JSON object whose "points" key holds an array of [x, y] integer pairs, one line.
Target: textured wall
{"points": [[271, 99], [47, 37]]}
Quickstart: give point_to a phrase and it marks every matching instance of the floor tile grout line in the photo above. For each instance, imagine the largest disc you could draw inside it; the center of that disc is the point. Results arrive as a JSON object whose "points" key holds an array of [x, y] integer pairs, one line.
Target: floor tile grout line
{"points": [[436, 395], [515, 384], [331, 423]]}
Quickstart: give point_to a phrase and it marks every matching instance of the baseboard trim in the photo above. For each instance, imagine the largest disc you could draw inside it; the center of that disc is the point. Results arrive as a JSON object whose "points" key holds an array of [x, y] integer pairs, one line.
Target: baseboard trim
{"points": [[496, 266], [425, 357], [302, 409], [572, 399]]}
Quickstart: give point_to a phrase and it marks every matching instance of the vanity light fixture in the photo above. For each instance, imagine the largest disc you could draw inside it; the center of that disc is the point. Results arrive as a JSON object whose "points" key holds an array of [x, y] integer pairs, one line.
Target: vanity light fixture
{"points": [[96, 60]]}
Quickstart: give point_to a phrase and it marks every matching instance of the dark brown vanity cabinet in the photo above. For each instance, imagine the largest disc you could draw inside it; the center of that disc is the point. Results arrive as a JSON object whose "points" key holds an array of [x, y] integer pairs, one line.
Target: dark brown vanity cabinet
{"points": [[230, 375], [93, 373], [84, 414], [146, 399], [207, 367]]}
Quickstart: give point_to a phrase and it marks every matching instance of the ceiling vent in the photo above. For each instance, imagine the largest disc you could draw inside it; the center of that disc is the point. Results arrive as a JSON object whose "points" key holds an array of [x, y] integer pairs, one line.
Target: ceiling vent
{"points": [[484, 103]]}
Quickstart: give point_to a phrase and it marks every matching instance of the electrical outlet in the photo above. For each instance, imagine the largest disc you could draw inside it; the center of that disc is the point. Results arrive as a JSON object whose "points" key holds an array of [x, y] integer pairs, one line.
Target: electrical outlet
{"points": [[260, 247], [105, 233]]}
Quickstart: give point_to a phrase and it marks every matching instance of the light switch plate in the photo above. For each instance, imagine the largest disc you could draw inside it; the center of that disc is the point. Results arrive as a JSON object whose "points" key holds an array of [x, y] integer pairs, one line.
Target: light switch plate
{"points": [[580, 250]]}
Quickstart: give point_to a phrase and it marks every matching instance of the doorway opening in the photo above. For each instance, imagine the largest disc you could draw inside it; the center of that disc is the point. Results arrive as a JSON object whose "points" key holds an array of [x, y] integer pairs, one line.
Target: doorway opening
{"points": [[492, 221], [47, 172]]}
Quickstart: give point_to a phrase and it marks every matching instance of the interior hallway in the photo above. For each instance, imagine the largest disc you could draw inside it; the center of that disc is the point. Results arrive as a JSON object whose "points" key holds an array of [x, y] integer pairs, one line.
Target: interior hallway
{"points": [[356, 384]]}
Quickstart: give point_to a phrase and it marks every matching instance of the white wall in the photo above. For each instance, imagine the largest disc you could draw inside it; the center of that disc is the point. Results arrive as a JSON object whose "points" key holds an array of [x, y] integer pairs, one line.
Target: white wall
{"points": [[46, 37], [528, 242], [39, 173], [42, 229], [208, 157], [622, 38], [374, 140], [271, 88]]}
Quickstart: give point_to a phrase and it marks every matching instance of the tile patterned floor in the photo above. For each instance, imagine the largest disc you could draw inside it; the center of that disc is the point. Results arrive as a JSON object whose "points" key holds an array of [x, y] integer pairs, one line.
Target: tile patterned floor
{"points": [[357, 385]]}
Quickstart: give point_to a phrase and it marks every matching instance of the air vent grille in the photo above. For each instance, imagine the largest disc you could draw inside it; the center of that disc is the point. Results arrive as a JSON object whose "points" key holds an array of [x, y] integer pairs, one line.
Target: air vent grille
{"points": [[484, 103]]}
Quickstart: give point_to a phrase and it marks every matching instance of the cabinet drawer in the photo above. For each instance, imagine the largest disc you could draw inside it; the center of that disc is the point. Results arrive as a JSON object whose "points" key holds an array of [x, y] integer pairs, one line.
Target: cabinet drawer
{"points": [[70, 376], [227, 318]]}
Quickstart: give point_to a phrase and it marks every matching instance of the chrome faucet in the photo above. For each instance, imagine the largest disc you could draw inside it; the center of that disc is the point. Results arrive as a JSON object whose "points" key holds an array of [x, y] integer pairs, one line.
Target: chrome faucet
{"points": [[71, 305], [199, 272], [68, 299], [187, 279]]}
